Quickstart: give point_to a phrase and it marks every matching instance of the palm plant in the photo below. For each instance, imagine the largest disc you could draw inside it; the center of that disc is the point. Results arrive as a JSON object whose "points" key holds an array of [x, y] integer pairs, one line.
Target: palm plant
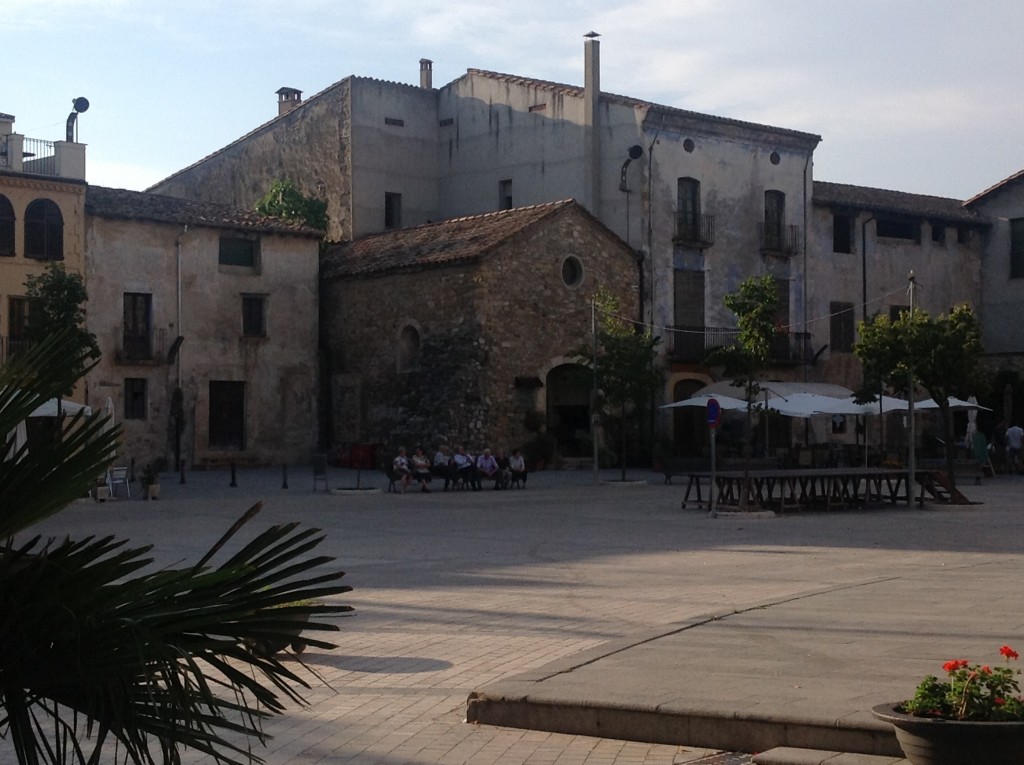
{"points": [[97, 651]]}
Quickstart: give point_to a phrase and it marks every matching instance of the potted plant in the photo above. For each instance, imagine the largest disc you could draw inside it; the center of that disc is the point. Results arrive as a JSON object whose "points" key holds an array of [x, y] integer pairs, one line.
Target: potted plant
{"points": [[975, 715]]}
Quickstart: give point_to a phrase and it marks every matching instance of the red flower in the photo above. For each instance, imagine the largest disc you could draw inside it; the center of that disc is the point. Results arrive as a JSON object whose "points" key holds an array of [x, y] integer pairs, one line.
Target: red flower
{"points": [[998, 701], [986, 670], [1008, 652], [954, 664]]}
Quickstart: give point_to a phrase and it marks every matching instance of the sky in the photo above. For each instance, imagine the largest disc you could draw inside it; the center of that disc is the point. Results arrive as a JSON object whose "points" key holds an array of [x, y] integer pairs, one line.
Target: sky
{"points": [[921, 96]]}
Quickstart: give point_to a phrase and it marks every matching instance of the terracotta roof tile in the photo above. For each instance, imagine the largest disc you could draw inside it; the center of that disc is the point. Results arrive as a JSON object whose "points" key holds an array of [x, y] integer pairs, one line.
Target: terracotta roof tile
{"points": [[123, 204], [433, 244], [996, 187], [900, 202]]}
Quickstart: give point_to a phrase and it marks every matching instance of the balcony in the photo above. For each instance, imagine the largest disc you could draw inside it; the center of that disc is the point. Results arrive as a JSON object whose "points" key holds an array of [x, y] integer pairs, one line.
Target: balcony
{"points": [[695, 230], [140, 348], [34, 156], [778, 241], [12, 346], [691, 344]]}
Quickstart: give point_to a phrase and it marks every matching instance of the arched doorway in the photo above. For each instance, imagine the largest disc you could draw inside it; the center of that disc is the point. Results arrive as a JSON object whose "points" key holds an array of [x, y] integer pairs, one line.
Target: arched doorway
{"points": [[568, 408], [689, 423]]}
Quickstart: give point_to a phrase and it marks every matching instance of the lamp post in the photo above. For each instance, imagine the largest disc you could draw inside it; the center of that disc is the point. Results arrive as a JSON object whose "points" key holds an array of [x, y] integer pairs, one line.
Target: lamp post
{"points": [[911, 457]]}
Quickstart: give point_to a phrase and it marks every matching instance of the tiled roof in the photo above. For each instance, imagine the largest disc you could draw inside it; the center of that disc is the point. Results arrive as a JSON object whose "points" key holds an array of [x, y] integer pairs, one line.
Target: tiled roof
{"points": [[433, 244], [886, 201], [122, 204], [996, 187], [576, 90]]}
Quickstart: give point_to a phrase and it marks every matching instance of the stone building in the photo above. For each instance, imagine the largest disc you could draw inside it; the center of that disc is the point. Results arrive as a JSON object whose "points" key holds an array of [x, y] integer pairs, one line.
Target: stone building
{"points": [[464, 330], [865, 242], [42, 195], [207, 319], [1002, 270]]}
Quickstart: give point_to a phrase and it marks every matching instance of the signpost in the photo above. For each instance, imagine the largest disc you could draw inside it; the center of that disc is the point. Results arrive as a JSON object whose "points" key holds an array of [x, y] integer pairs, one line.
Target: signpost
{"points": [[714, 418]]}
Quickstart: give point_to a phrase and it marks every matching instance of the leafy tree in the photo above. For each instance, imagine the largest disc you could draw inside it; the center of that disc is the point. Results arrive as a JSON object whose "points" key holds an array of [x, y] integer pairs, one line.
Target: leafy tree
{"points": [[755, 304], [57, 303], [944, 352], [285, 201], [626, 372], [98, 650]]}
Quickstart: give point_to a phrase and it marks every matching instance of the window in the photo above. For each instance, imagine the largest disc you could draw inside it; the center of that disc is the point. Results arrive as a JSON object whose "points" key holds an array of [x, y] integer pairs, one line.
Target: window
{"points": [[782, 311], [238, 251], [44, 231], [408, 348], [896, 228], [392, 210], [1017, 248], [17, 325], [6, 227], [774, 220], [688, 209], [227, 414], [572, 271], [841, 336], [842, 232], [254, 316], [505, 194], [688, 313], [137, 313], [938, 233], [394, 122], [895, 311], [135, 398]]}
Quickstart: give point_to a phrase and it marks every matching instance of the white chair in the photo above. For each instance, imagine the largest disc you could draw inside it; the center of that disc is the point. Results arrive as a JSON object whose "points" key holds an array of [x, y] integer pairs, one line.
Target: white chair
{"points": [[118, 476]]}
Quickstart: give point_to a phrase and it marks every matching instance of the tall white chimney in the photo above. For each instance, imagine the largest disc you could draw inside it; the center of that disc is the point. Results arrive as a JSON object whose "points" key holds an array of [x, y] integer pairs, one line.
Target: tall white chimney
{"points": [[591, 126]]}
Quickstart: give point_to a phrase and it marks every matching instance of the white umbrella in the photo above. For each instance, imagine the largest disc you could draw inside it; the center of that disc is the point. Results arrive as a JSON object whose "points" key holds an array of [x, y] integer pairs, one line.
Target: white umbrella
{"points": [[954, 404], [49, 408], [810, 404], [728, 403]]}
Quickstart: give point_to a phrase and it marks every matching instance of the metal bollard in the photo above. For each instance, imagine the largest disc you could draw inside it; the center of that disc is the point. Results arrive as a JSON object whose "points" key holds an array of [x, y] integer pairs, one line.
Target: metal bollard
{"points": [[284, 476], [234, 482], [181, 471]]}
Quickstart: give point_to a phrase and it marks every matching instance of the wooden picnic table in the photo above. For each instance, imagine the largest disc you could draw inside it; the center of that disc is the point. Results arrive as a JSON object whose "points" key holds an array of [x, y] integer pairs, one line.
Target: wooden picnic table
{"points": [[785, 489]]}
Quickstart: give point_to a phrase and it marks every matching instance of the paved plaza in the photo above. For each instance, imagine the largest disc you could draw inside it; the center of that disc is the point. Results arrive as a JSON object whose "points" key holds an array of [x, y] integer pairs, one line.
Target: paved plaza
{"points": [[458, 593]]}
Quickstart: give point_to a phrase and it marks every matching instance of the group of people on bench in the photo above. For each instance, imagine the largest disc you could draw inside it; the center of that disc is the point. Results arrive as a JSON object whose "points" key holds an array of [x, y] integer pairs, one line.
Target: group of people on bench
{"points": [[459, 469]]}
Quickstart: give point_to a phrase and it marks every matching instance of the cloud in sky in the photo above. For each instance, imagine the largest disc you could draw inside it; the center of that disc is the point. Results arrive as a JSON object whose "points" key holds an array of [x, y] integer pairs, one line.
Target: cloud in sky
{"points": [[918, 95]]}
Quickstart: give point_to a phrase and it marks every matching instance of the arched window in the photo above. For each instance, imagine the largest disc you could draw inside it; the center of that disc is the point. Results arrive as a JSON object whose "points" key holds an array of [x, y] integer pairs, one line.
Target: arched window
{"points": [[44, 231], [408, 348], [6, 227]]}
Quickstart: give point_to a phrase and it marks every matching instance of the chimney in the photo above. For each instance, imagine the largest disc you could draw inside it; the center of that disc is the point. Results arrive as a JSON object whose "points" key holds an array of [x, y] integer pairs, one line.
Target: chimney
{"points": [[287, 99], [426, 74], [591, 117]]}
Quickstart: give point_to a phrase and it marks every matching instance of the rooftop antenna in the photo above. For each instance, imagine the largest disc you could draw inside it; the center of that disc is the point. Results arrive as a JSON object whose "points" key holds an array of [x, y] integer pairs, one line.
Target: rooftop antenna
{"points": [[81, 105]]}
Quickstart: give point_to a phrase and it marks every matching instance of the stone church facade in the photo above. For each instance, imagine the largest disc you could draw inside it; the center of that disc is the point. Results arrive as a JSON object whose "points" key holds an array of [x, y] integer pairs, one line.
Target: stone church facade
{"points": [[465, 331]]}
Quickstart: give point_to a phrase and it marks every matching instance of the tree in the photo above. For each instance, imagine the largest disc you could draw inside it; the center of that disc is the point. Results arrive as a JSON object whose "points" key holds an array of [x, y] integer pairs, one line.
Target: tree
{"points": [[626, 372], [56, 304], [755, 304], [98, 649], [943, 351], [283, 200]]}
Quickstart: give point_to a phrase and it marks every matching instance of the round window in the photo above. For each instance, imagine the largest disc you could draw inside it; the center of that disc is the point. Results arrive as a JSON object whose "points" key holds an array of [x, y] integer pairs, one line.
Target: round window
{"points": [[572, 271]]}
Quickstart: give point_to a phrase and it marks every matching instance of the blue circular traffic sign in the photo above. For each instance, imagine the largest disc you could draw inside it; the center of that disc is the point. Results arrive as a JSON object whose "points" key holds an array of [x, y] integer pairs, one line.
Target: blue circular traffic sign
{"points": [[714, 413]]}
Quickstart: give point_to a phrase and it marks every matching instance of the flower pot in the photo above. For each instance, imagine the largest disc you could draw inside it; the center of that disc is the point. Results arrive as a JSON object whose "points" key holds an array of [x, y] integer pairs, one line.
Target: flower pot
{"points": [[931, 741], [294, 639]]}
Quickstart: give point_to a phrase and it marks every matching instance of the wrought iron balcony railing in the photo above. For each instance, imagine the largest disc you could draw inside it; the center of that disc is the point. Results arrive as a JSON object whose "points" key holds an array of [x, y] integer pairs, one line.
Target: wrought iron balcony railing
{"points": [[692, 344], [779, 240], [695, 230]]}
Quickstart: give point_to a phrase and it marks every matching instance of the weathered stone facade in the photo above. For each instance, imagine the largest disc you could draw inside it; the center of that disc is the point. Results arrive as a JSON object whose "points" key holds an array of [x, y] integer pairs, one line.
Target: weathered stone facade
{"points": [[155, 273], [448, 331]]}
